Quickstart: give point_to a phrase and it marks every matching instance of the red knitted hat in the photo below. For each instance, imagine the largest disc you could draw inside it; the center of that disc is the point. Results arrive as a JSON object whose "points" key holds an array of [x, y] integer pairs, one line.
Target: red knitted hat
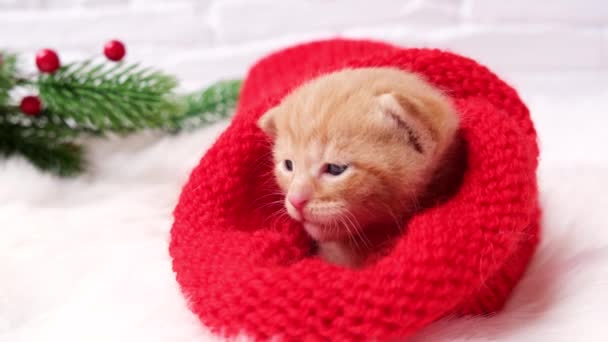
{"points": [[245, 271]]}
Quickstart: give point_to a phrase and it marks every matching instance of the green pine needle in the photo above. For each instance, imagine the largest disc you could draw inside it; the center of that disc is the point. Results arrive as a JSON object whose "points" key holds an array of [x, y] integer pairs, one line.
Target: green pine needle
{"points": [[208, 106], [41, 127], [64, 160], [8, 69], [61, 158], [98, 97]]}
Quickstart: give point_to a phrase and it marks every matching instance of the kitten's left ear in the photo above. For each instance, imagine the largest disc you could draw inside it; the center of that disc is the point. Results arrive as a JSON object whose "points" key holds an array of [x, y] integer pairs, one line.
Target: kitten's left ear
{"points": [[403, 115], [427, 119], [267, 122]]}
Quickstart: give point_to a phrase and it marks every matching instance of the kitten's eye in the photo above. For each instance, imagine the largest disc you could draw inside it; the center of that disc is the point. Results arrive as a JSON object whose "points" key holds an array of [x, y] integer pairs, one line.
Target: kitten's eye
{"points": [[334, 169], [289, 165]]}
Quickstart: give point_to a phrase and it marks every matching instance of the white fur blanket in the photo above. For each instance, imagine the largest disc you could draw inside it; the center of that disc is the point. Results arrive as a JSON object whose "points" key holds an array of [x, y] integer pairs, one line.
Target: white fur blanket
{"points": [[86, 259]]}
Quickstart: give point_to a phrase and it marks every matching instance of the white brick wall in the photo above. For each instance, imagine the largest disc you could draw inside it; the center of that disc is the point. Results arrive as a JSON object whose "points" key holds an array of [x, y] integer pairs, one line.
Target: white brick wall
{"points": [[204, 40], [573, 12]]}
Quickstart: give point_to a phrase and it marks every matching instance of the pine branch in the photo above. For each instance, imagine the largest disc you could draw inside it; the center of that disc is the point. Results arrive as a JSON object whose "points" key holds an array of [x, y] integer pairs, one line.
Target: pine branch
{"points": [[100, 97], [62, 158], [8, 70], [96, 98], [211, 105], [43, 127]]}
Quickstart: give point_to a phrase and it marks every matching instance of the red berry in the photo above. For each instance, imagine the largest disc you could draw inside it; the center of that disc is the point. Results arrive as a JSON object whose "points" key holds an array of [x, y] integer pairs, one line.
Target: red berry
{"points": [[31, 105], [115, 50], [47, 60]]}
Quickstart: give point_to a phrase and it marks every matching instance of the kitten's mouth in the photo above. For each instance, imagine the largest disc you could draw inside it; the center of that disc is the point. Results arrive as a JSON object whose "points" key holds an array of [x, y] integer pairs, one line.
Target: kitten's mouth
{"points": [[321, 224], [319, 231], [327, 228]]}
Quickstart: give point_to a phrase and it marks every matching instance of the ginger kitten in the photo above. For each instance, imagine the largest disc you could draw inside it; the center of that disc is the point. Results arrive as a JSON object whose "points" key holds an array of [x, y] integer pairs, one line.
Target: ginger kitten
{"points": [[355, 151]]}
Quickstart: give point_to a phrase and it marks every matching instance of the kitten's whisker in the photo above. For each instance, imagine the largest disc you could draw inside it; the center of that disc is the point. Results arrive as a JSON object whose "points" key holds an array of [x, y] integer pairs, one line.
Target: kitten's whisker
{"points": [[413, 201], [356, 233], [257, 206], [396, 220], [277, 215], [265, 159], [358, 229], [351, 235], [272, 194], [271, 204]]}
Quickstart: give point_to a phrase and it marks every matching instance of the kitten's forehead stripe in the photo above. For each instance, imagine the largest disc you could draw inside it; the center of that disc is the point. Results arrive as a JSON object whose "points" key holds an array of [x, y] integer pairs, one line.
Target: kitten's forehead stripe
{"points": [[412, 136]]}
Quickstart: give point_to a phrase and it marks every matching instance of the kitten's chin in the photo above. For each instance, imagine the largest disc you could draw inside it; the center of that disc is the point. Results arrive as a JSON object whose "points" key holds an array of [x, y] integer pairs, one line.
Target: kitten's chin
{"points": [[322, 233], [313, 230]]}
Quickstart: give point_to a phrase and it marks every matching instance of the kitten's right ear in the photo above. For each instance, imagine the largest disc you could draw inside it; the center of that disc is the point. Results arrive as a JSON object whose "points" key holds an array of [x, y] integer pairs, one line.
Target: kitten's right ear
{"points": [[267, 122]]}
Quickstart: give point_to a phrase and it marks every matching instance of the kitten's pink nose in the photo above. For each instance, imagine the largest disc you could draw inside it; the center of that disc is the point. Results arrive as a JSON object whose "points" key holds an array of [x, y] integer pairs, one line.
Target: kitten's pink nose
{"points": [[298, 200]]}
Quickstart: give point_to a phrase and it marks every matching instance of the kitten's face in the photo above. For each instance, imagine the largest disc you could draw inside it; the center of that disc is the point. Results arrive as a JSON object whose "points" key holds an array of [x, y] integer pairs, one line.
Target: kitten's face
{"points": [[336, 186], [343, 158]]}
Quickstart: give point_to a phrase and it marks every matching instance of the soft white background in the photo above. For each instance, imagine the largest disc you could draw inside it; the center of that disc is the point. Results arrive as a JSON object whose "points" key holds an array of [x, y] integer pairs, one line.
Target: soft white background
{"points": [[86, 259]]}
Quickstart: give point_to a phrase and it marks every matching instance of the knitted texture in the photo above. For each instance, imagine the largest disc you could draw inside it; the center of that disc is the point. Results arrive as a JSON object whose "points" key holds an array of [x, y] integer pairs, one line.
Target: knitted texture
{"points": [[246, 270]]}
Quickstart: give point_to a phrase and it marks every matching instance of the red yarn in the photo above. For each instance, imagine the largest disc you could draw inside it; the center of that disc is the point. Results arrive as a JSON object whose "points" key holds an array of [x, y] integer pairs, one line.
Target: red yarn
{"points": [[245, 270]]}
